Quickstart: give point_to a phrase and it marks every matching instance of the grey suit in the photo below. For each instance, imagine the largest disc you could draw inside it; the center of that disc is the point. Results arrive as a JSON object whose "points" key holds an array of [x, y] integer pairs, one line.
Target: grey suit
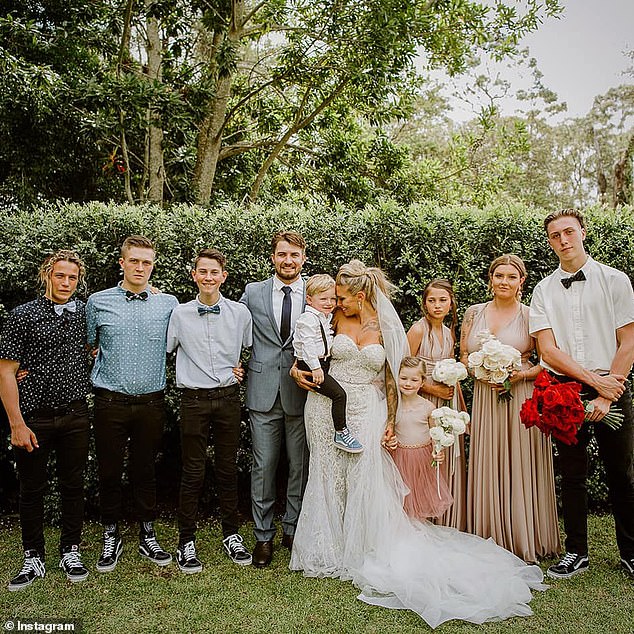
{"points": [[276, 411]]}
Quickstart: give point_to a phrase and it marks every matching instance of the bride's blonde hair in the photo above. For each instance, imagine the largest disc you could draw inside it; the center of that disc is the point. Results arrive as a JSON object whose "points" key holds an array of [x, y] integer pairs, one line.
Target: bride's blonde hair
{"points": [[357, 277]]}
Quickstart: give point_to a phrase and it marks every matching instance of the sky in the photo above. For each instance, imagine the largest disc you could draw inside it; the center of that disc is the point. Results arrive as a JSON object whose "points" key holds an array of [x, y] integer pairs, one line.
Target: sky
{"points": [[581, 54]]}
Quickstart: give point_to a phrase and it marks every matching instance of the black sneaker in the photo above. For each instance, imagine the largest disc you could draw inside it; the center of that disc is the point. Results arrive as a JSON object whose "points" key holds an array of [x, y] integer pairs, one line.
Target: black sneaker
{"points": [[628, 566], [149, 547], [571, 564], [186, 558], [71, 564], [236, 550], [32, 569], [112, 549]]}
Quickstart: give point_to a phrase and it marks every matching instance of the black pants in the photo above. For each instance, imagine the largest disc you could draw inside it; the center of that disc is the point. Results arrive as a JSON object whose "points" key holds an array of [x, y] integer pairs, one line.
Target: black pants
{"points": [[209, 413], [120, 418], [332, 390], [616, 449], [67, 434]]}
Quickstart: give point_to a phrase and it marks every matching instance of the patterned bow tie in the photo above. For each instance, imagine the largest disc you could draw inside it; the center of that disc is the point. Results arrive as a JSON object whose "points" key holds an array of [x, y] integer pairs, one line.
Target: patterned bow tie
{"points": [[577, 277], [129, 296], [203, 310], [68, 306]]}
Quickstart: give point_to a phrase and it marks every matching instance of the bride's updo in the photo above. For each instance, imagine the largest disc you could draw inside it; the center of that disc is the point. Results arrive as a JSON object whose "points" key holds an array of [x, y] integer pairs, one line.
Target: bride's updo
{"points": [[357, 277]]}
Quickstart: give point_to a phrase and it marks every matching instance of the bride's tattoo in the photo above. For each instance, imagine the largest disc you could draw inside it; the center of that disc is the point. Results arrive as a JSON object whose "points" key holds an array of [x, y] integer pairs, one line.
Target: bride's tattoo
{"points": [[371, 325], [391, 394]]}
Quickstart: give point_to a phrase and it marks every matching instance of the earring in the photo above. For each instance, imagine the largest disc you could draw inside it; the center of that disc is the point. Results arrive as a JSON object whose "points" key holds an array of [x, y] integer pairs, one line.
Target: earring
{"points": [[359, 304]]}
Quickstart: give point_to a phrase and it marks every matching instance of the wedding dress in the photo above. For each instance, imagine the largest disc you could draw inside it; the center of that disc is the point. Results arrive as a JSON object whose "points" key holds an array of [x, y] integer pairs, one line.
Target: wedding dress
{"points": [[353, 526]]}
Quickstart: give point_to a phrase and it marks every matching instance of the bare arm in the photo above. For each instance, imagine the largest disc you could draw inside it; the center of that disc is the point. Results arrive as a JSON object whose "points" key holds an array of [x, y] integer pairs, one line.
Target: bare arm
{"points": [[414, 338], [609, 387], [21, 435], [467, 323]]}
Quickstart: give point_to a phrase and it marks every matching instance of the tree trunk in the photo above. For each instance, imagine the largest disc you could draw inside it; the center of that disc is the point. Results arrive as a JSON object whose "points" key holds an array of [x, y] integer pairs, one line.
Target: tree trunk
{"points": [[623, 168], [155, 167], [297, 125], [210, 135]]}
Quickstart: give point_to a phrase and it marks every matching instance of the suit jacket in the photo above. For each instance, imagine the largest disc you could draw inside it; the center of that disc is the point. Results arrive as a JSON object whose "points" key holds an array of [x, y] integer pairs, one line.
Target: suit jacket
{"points": [[271, 358]]}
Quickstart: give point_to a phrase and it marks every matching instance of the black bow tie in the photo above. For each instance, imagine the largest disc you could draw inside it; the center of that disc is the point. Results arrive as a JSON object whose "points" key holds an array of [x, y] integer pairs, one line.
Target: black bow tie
{"points": [[577, 277], [129, 296], [203, 310]]}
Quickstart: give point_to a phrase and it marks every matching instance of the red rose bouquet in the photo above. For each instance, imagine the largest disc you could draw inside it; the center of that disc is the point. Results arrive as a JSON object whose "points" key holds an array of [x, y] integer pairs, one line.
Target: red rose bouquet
{"points": [[558, 409]]}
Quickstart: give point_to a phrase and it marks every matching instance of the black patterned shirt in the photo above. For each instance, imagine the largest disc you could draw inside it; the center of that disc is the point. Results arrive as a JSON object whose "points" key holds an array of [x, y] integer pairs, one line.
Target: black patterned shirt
{"points": [[52, 348]]}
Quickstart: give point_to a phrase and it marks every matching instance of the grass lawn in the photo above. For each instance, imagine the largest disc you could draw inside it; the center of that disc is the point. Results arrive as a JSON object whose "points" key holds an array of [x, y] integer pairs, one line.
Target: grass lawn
{"points": [[225, 598]]}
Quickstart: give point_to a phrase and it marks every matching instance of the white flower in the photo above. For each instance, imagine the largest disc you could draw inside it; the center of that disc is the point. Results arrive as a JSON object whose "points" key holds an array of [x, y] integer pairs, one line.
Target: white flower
{"points": [[436, 433], [498, 376], [449, 372], [476, 359]]}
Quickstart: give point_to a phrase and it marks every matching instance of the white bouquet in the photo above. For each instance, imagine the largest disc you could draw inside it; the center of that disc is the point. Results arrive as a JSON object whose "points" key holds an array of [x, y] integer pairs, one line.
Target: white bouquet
{"points": [[448, 425], [449, 372], [494, 363]]}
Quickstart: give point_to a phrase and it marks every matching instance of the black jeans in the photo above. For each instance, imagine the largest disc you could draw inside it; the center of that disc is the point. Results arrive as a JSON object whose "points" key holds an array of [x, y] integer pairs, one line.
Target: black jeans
{"points": [[141, 420], [206, 413], [332, 390], [616, 449], [67, 434]]}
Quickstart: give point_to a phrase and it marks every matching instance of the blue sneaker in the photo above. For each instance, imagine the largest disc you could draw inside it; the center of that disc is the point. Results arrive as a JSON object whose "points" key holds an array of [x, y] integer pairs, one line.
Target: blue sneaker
{"points": [[345, 441]]}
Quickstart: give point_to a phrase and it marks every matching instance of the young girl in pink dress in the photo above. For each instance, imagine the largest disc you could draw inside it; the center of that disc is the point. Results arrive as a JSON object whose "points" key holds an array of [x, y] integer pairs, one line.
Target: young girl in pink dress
{"points": [[431, 340], [414, 451]]}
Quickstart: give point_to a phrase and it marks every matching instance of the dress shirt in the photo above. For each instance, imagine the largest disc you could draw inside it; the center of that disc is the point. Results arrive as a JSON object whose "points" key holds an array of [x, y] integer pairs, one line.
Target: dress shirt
{"points": [[584, 318], [297, 297], [308, 343], [208, 346], [52, 348], [132, 340]]}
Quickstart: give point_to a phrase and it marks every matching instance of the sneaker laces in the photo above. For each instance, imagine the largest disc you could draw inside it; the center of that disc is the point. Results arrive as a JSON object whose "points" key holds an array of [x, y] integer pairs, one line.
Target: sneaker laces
{"points": [[33, 564], [234, 542], [189, 550], [152, 544], [109, 543], [567, 559], [71, 559]]}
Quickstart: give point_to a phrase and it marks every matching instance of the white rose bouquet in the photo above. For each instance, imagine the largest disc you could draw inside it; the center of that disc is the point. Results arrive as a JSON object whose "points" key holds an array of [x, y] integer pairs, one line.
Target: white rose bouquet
{"points": [[448, 425], [494, 363], [449, 372]]}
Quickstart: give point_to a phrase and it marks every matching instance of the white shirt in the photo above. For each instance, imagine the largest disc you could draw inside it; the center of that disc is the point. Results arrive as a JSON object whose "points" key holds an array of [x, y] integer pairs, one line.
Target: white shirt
{"points": [[208, 346], [308, 343], [584, 318], [297, 299]]}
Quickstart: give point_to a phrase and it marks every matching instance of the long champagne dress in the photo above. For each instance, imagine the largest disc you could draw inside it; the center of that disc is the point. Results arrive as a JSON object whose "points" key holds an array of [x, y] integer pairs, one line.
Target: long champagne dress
{"points": [[511, 492], [353, 526], [455, 465]]}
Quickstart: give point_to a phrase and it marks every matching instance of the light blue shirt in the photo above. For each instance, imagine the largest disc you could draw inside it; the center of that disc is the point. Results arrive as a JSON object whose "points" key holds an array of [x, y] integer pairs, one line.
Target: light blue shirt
{"points": [[208, 346], [132, 340]]}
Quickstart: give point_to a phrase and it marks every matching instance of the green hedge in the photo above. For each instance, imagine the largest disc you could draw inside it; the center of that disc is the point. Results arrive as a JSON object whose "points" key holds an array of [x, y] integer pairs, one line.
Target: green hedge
{"points": [[411, 244]]}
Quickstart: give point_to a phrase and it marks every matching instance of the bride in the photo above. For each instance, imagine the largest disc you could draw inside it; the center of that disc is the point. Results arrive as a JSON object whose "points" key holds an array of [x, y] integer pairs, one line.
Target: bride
{"points": [[352, 524]]}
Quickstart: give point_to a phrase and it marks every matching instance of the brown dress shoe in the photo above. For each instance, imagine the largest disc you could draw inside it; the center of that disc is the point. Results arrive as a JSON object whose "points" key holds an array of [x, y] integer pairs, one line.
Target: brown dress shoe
{"points": [[262, 554], [287, 541]]}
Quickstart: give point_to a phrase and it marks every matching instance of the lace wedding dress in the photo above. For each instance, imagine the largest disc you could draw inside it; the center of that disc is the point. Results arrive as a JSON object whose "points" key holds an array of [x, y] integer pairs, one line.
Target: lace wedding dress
{"points": [[353, 526]]}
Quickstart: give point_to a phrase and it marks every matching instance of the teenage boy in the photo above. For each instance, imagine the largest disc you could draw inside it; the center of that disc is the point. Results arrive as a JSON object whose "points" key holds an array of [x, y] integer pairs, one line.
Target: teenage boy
{"points": [[582, 316], [275, 402], [208, 335], [47, 410], [128, 325], [312, 343]]}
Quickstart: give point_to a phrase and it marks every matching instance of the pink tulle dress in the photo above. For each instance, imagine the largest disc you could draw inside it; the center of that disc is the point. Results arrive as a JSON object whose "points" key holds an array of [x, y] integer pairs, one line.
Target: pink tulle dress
{"points": [[413, 457]]}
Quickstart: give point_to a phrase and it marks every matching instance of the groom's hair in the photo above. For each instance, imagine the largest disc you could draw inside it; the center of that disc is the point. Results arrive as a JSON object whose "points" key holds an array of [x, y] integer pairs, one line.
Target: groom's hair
{"points": [[292, 237], [572, 213]]}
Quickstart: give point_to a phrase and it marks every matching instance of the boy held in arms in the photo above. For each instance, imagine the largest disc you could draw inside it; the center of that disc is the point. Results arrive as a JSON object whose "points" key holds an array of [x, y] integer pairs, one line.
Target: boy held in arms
{"points": [[312, 344]]}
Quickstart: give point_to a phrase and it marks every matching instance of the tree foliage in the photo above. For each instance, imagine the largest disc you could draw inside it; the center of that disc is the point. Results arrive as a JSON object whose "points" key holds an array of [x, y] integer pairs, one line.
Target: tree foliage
{"points": [[123, 98]]}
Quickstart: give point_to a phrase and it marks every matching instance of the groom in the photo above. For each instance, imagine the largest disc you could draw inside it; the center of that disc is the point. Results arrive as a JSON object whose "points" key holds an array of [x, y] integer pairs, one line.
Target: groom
{"points": [[582, 316], [275, 403]]}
